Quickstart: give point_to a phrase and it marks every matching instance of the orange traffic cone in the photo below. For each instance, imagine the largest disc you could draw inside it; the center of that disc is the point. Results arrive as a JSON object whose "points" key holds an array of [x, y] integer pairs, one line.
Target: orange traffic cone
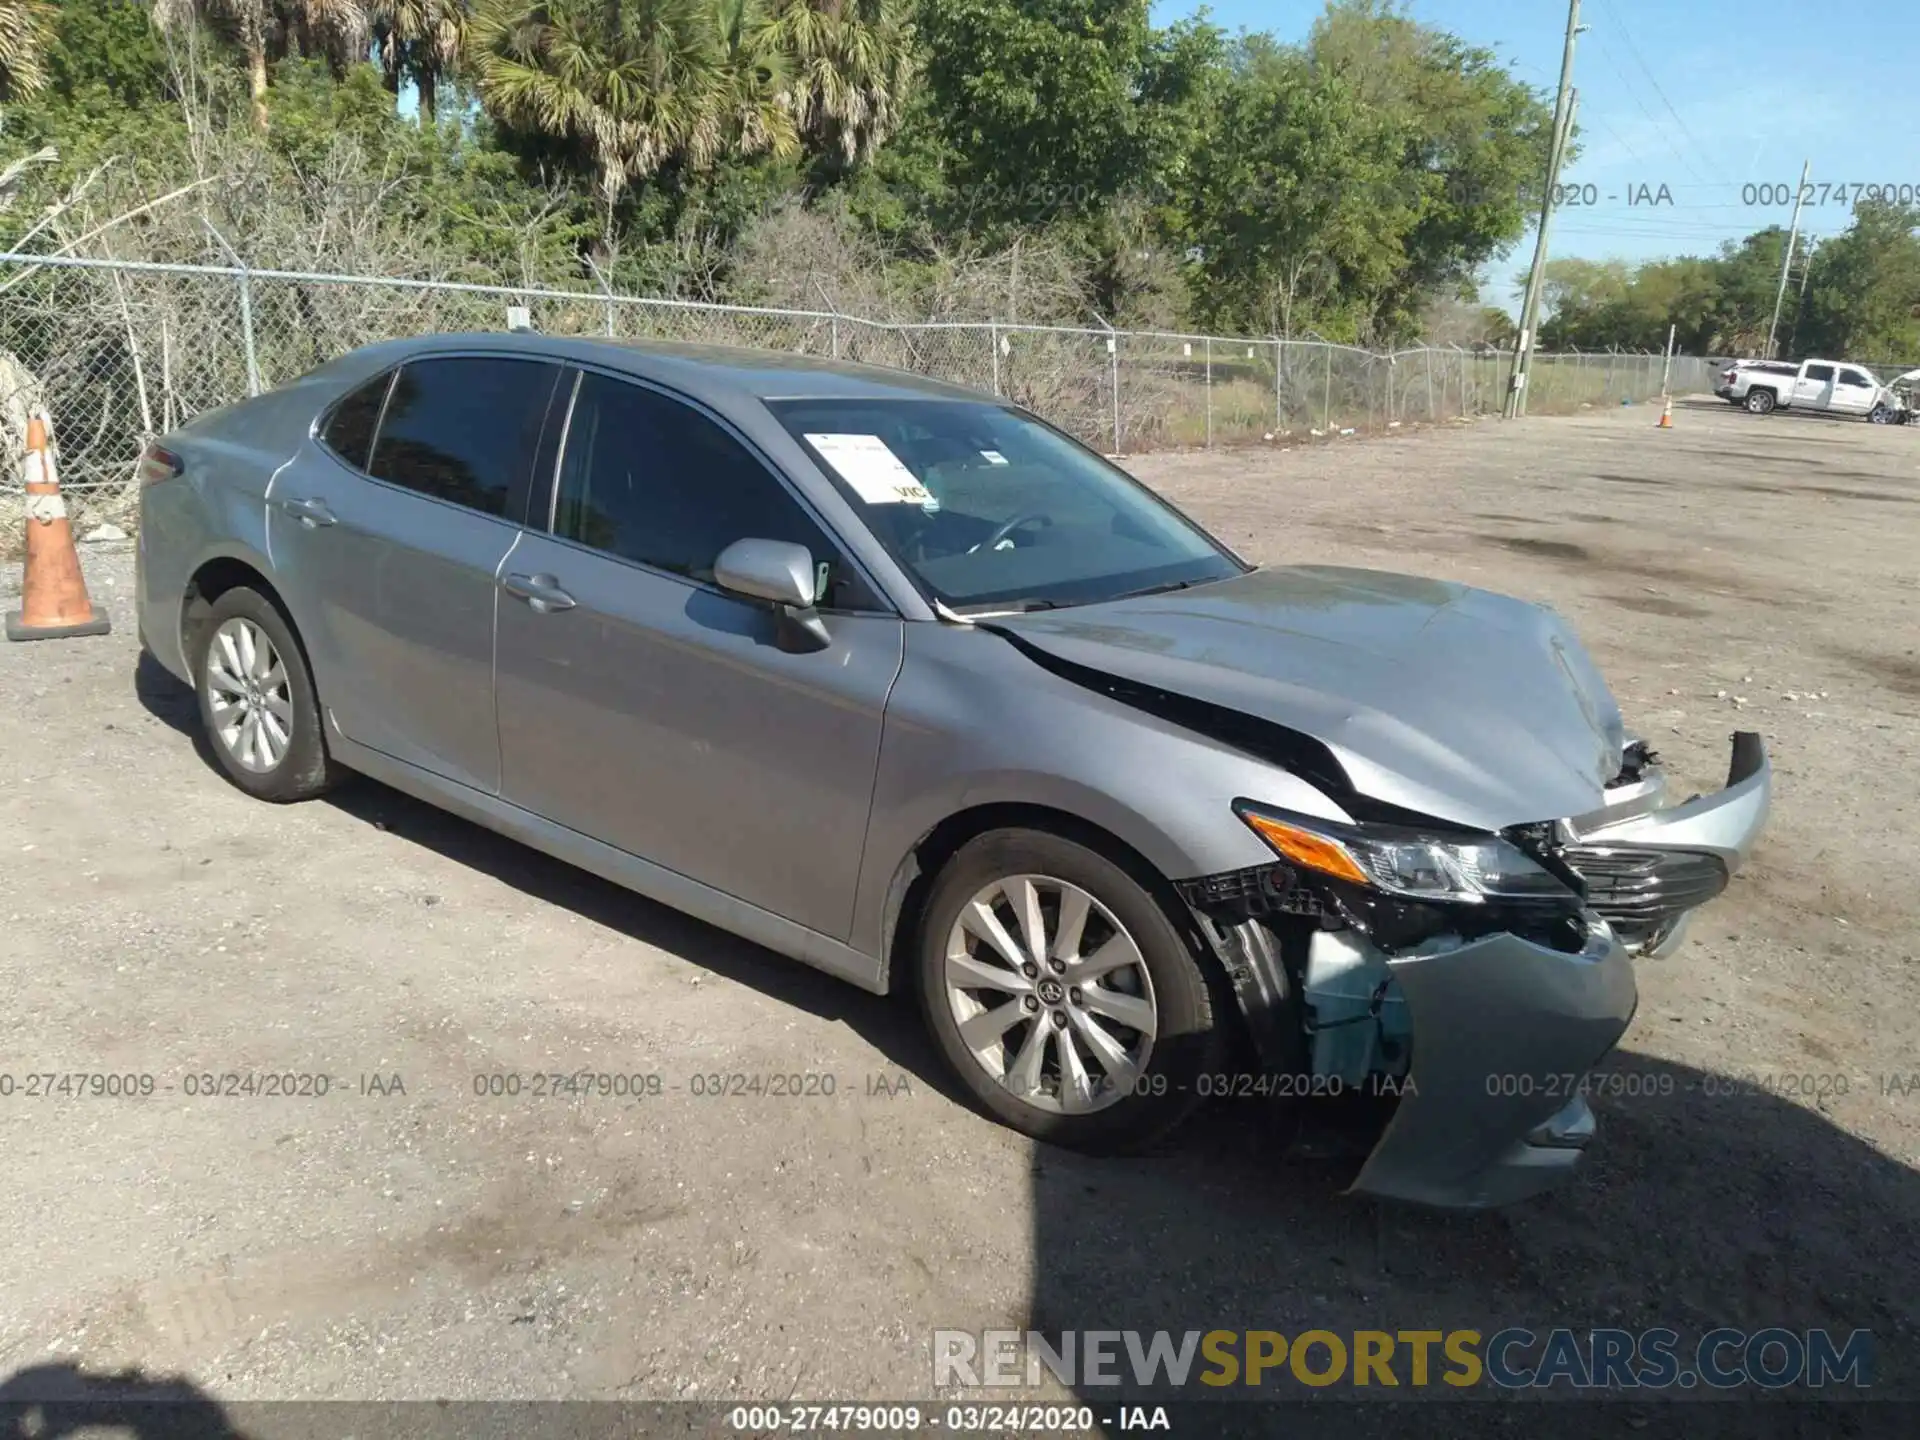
{"points": [[53, 595], [1666, 416]]}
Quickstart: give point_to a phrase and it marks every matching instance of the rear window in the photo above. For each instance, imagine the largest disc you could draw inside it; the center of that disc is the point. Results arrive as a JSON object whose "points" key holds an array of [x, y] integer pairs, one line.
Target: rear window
{"points": [[464, 429], [1820, 372], [349, 429]]}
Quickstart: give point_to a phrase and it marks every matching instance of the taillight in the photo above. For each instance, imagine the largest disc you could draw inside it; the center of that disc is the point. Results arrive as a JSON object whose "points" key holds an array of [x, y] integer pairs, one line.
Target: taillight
{"points": [[157, 464]]}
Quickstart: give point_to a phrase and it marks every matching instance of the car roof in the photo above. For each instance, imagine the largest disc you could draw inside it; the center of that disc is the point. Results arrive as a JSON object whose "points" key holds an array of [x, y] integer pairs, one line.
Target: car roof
{"points": [[715, 373]]}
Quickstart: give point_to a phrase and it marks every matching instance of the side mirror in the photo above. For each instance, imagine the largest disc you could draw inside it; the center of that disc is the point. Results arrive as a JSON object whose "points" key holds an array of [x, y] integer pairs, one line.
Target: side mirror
{"points": [[782, 573]]}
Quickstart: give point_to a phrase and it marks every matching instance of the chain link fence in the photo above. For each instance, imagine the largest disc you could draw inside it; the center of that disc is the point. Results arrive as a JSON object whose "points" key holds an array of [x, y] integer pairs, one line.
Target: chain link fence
{"points": [[120, 351]]}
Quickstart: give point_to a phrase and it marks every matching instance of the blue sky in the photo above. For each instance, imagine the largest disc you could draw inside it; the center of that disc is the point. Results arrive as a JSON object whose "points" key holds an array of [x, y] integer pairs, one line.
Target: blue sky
{"points": [[1681, 93]]}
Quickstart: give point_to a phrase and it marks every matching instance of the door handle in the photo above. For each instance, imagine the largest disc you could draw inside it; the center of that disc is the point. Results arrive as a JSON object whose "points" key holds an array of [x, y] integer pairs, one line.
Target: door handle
{"points": [[310, 513], [541, 592]]}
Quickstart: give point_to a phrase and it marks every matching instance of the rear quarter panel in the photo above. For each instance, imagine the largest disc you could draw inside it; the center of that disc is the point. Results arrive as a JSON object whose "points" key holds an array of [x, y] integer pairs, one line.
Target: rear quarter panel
{"points": [[216, 508]]}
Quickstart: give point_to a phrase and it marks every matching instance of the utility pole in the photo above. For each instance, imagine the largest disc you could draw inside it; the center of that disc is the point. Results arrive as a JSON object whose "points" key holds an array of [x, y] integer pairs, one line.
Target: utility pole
{"points": [[1806, 274], [1530, 313], [1786, 265], [1556, 148]]}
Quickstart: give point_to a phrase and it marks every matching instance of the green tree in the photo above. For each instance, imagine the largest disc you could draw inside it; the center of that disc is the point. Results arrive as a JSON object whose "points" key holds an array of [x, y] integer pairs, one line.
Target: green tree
{"points": [[418, 41], [850, 67], [1468, 140], [1863, 295], [1038, 106], [632, 87], [627, 87], [335, 30]]}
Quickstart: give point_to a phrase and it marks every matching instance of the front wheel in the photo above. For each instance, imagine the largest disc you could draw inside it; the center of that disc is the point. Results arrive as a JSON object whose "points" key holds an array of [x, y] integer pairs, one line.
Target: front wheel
{"points": [[1880, 415], [257, 702], [1759, 402], [1062, 995]]}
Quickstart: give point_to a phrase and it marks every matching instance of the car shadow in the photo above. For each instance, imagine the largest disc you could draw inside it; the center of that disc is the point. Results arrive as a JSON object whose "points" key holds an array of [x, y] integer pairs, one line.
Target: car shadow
{"points": [[1696, 1209], [58, 1401], [167, 699]]}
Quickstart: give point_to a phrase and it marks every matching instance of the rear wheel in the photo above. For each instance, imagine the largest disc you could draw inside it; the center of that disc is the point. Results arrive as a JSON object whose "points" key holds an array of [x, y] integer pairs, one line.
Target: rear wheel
{"points": [[257, 702], [1759, 402], [1062, 995]]}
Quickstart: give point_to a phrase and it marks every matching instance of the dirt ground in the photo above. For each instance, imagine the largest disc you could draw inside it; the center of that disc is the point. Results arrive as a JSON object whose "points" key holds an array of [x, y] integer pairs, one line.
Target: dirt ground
{"points": [[1732, 573]]}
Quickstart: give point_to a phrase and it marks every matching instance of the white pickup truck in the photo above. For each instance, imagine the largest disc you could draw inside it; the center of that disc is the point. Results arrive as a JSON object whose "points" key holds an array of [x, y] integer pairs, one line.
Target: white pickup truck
{"points": [[1818, 385]]}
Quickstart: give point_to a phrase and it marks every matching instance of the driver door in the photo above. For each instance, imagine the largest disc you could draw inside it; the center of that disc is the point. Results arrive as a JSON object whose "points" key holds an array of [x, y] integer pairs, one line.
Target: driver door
{"points": [[642, 705]]}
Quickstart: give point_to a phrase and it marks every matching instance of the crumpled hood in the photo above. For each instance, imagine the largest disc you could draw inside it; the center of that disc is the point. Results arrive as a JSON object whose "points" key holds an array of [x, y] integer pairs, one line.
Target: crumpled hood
{"points": [[1455, 702]]}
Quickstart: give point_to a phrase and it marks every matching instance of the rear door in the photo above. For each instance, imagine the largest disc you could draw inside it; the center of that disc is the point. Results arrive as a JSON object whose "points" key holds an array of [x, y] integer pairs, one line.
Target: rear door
{"points": [[643, 706], [388, 533], [1854, 391], [1814, 389]]}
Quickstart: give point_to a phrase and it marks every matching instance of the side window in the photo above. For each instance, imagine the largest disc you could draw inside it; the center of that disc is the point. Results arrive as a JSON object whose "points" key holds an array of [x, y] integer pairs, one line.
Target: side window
{"points": [[650, 479], [1822, 373], [1853, 377], [349, 429], [464, 429]]}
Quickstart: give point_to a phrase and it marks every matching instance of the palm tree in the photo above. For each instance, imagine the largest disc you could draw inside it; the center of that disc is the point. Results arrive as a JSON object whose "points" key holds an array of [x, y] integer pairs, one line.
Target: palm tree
{"points": [[636, 84], [26, 26], [853, 66], [418, 40], [336, 28], [756, 79]]}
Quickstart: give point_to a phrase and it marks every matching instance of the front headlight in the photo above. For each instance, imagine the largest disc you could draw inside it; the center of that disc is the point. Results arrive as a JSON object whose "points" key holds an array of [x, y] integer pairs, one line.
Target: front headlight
{"points": [[1461, 869]]}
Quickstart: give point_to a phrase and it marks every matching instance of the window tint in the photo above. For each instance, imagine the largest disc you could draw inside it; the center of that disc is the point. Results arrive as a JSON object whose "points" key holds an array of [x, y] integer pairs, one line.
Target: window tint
{"points": [[1853, 377], [650, 479], [464, 429], [349, 431], [1820, 372]]}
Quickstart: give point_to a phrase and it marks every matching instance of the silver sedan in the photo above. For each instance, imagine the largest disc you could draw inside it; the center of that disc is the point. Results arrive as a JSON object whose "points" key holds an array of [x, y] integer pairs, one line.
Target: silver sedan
{"points": [[896, 680]]}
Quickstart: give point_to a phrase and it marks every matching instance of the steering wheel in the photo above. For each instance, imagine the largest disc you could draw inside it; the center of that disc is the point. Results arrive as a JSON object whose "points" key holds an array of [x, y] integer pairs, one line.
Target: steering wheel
{"points": [[1006, 528]]}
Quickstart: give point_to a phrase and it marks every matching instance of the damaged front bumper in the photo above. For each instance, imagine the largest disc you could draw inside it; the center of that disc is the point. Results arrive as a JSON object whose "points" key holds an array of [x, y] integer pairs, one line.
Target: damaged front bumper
{"points": [[1505, 1031], [1648, 865], [1486, 1041]]}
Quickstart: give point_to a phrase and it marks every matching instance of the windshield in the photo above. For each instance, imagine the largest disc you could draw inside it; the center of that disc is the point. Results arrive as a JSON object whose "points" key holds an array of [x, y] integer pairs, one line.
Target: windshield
{"points": [[988, 508]]}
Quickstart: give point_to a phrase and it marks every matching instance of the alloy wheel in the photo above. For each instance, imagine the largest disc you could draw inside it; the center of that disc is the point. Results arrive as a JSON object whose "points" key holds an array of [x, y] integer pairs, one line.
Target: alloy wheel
{"points": [[248, 695], [1051, 994]]}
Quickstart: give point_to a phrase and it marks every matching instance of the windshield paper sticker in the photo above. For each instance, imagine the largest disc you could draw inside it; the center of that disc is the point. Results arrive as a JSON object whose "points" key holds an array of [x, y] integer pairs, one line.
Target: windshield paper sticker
{"points": [[873, 470], [993, 457]]}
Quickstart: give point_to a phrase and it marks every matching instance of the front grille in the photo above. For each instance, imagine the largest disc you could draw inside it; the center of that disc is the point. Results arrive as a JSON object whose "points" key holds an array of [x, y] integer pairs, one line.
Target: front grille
{"points": [[1642, 892]]}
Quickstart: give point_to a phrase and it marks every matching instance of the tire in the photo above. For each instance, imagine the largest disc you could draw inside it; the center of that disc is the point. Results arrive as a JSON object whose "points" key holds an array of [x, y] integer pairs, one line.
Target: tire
{"points": [[1880, 415], [1119, 1107], [266, 736], [1759, 402]]}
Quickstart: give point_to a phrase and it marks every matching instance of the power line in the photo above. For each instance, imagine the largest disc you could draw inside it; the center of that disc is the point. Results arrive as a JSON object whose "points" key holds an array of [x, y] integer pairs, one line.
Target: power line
{"points": [[1634, 50], [1633, 94]]}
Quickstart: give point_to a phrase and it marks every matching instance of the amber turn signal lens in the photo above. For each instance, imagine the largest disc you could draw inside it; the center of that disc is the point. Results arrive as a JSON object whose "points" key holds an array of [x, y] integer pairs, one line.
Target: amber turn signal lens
{"points": [[1303, 847]]}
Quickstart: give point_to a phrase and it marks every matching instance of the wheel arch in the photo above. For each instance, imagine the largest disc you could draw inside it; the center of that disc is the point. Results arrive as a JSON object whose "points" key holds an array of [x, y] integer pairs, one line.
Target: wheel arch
{"points": [[217, 574], [916, 871]]}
